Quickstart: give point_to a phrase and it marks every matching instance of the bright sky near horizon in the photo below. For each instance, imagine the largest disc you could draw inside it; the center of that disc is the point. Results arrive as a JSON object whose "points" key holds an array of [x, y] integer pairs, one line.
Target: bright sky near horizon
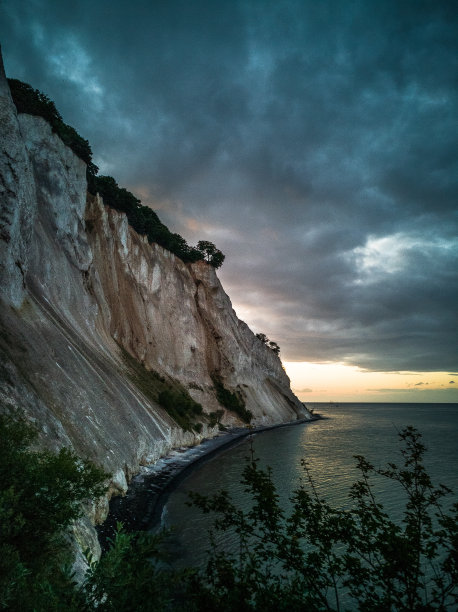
{"points": [[313, 142], [317, 382]]}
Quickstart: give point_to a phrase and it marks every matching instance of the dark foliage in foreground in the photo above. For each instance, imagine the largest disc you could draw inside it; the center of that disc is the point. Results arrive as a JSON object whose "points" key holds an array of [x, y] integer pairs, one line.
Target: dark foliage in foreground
{"points": [[133, 576], [142, 218], [40, 495], [322, 558], [316, 558]]}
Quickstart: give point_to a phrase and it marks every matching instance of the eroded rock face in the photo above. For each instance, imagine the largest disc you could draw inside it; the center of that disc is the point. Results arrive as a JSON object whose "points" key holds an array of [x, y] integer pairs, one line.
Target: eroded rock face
{"points": [[76, 284], [176, 319], [17, 197]]}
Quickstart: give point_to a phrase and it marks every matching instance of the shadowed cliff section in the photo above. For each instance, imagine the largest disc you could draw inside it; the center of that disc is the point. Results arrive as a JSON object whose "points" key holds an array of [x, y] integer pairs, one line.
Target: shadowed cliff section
{"points": [[78, 284]]}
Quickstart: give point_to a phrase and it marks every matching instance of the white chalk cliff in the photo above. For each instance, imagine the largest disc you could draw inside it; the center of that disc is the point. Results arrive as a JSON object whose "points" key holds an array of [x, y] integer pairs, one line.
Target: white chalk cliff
{"points": [[77, 284]]}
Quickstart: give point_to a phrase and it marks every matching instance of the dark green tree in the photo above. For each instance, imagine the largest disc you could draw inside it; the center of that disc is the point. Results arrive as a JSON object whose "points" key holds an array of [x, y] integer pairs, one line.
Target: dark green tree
{"points": [[218, 259], [210, 253], [270, 343], [40, 495], [274, 347], [134, 575]]}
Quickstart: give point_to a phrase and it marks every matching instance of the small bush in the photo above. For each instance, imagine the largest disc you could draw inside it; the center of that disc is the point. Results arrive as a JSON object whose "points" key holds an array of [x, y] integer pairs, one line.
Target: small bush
{"points": [[169, 393], [231, 401], [181, 407], [215, 417], [270, 343]]}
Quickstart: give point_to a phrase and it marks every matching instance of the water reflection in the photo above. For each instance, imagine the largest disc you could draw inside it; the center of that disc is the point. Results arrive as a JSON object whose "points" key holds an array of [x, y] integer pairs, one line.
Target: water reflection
{"points": [[328, 446]]}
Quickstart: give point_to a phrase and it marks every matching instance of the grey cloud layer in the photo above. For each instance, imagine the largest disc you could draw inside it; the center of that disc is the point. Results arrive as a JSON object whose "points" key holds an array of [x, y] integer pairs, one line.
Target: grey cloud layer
{"points": [[315, 141]]}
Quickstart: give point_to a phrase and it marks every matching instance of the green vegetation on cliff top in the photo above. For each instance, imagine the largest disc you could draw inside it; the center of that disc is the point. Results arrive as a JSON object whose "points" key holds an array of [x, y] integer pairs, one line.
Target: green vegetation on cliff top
{"points": [[142, 218]]}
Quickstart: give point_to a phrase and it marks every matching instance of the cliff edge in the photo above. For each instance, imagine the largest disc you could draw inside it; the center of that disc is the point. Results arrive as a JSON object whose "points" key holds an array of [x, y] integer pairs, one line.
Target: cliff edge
{"points": [[89, 310]]}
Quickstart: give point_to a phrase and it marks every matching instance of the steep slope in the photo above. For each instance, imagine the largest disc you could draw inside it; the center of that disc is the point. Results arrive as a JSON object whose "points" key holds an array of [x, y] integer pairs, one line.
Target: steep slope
{"points": [[88, 307], [175, 318]]}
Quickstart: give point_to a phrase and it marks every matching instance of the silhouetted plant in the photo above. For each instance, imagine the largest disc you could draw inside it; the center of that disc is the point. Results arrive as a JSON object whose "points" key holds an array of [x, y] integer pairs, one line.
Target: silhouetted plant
{"points": [[270, 343], [40, 495], [314, 558], [34, 102], [210, 253], [321, 558], [132, 575]]}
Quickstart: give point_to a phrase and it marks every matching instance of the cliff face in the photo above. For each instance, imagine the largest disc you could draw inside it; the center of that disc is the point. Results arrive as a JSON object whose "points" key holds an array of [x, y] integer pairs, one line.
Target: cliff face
{"points": [[176, 318], [78, 285]]}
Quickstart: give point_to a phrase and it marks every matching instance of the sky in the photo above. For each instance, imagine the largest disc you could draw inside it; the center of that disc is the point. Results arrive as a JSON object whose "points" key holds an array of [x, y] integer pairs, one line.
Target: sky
{"points": [[314, 142]]}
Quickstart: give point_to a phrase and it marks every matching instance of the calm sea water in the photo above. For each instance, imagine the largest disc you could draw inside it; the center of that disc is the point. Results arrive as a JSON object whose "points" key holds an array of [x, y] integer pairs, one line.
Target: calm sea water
{"points": [[329, 446]]}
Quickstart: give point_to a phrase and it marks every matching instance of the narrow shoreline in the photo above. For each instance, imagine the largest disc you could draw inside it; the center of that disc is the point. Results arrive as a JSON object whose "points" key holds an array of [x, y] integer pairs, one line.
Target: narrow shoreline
{"points": [[141, 508]]}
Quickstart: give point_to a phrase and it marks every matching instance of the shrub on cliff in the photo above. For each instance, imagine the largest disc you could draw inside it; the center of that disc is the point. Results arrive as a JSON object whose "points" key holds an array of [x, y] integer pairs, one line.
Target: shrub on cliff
{"points": [[181, 407], [270, 343], [210, 253], [169, 393], [214, 418], [231, 401]]}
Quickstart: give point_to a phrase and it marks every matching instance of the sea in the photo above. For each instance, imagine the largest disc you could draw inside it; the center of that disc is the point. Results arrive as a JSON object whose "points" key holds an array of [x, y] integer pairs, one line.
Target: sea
{"points": [[329, 446]]}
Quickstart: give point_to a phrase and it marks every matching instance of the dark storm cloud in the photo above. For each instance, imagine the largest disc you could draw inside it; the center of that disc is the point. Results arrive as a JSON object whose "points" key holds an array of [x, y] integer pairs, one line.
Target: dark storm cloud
{"points": [[314, 142]]}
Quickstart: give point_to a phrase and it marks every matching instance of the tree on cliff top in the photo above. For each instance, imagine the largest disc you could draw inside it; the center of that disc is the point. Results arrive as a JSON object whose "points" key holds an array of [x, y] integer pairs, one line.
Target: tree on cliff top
{"points": [[270, 343], [210, 253]]}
